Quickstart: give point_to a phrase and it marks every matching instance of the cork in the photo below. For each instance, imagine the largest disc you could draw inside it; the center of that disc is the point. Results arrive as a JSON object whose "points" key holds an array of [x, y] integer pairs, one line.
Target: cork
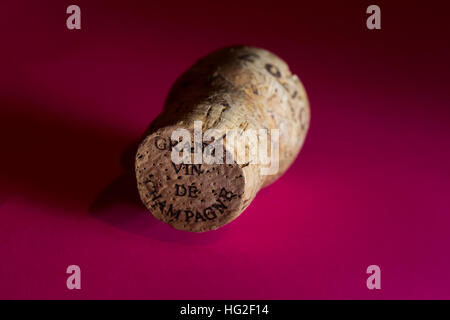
{"points": [[236, 89]]}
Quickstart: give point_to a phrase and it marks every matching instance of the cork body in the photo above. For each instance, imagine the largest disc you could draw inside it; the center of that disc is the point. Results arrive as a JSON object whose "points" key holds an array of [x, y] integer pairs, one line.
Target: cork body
{"points": [[241, 89]]}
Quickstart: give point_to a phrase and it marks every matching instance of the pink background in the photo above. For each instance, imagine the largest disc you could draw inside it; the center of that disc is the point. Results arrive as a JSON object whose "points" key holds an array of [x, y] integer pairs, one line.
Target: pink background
{"points": [[371, 185]]}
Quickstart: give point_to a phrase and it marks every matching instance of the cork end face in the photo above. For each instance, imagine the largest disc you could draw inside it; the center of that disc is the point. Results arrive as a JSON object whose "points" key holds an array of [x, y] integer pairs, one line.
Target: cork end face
{"points": [[191, 197]]}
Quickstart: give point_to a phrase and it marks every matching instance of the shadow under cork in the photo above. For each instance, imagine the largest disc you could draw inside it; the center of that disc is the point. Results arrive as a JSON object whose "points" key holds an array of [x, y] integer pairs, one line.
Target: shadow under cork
{"points": [[119, 205]]}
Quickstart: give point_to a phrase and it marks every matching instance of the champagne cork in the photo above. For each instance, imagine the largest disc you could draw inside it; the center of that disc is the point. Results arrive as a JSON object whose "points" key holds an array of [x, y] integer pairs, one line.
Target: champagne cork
{"points": [[237, 90]]}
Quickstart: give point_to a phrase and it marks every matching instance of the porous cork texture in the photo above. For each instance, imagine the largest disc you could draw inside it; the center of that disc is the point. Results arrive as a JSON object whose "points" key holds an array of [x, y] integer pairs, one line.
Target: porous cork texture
{"points": [[235, 88]]}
